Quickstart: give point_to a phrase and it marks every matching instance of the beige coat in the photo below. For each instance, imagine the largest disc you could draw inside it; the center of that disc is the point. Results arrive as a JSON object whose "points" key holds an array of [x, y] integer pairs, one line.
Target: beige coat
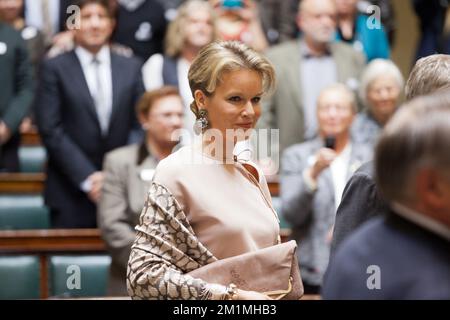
{"points": [[284, 110], [124, 193]]}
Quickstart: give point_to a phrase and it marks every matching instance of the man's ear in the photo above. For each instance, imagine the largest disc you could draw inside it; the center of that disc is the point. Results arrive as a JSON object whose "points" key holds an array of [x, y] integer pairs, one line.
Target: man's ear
{"points": [[430, 188], [200, 99]]}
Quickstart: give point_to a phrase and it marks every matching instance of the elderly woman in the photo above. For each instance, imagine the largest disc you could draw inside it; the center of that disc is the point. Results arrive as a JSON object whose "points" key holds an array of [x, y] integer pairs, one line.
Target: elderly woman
{"points": [[190, 31], [313, 177], [128, 173], [381, 86], [204, 204]]}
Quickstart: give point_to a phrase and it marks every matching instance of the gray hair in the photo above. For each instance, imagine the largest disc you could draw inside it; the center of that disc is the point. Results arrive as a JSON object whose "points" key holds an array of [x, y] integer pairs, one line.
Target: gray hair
{"points": [[344, 89], [429, 74], [375, 69], [417, 136]]}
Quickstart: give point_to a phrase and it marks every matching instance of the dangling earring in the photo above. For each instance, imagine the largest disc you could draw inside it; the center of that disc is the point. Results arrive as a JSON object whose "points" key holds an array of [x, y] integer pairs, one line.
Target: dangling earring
{"points": [[202, 122]]}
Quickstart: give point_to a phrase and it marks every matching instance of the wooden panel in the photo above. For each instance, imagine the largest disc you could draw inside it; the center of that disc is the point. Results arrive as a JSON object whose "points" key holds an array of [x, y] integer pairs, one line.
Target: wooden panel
{"points": [[30, 138], [32, 241], [22, 183]]}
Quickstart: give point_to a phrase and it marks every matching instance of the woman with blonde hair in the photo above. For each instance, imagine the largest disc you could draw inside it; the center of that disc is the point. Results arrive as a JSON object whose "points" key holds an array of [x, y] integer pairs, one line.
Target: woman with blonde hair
{"points": [[205, 204], [187, 34]]}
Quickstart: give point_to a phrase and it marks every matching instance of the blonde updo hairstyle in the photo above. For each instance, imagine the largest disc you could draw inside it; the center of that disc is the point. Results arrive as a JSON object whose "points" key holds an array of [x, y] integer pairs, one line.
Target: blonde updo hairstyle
{"points": [[219, 57]]}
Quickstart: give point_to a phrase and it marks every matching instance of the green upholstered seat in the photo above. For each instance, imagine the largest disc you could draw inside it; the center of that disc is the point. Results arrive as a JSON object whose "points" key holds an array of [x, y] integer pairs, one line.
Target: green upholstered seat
{"points": [[23, 212], [19, 277], [79, 276], [32, 159]]}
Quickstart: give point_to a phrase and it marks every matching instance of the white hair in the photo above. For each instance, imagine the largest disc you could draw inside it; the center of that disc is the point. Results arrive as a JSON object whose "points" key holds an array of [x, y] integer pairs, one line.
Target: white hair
{"points": [[375, 69]]}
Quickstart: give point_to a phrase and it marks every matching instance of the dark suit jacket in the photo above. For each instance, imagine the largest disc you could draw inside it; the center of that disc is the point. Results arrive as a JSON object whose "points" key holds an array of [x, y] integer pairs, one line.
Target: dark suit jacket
{"points": [[70, 129], [360, 202], [16, 89], [16, 92], [413, 263]]}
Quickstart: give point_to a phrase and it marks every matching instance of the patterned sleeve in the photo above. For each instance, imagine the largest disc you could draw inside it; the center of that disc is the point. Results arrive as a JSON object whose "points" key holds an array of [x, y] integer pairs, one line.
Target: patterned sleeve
{"points": [[164, 251]]}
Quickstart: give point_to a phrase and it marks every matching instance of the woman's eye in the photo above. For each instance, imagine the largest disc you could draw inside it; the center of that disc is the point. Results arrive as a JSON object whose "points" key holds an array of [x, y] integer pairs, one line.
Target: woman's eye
{"points": [[256, 99], [235, 99]]}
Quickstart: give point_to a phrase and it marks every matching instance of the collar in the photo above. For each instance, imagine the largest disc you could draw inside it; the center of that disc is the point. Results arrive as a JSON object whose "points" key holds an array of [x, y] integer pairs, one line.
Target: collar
{"points": [[422, 220], [306, 53], [131, 5], [86, 57]]}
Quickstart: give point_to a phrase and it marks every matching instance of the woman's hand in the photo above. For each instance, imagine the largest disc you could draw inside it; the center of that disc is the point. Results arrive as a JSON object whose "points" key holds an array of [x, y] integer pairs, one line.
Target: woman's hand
{"points": [[251, 295]]}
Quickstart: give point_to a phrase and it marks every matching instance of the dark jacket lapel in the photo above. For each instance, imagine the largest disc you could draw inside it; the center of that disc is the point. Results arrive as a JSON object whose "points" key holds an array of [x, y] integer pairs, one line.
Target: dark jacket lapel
{"points": [[116, 85], [79, 81]]}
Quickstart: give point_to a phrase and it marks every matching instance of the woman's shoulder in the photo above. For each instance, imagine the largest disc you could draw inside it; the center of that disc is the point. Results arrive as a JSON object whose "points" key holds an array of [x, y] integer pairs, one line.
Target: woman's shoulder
{"points": [[174, 165]]}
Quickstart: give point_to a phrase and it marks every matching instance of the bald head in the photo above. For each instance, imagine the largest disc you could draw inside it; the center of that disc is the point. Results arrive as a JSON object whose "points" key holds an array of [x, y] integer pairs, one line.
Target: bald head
{"points": [[317, 20], [313, 5]]}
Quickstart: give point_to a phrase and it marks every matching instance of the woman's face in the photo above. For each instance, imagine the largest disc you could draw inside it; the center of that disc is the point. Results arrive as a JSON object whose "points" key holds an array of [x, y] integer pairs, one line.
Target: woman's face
{"points": [[382, 97], [164, 117], [199, 28], [10, 9], [236, 103]]}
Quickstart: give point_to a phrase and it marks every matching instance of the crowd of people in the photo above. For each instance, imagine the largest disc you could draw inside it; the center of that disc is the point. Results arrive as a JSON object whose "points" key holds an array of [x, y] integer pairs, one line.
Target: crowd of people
{"points": [[134, 101]]}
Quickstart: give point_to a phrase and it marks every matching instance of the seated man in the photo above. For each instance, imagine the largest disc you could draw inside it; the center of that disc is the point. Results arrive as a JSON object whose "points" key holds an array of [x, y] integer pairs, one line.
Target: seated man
{"points": [[313, 176], [405, 254]]}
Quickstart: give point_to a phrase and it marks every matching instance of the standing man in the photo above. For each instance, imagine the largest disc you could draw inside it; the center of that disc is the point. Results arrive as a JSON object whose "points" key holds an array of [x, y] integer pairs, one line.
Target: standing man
{"points": [[16, 94], [305, 67], [85, 108]]}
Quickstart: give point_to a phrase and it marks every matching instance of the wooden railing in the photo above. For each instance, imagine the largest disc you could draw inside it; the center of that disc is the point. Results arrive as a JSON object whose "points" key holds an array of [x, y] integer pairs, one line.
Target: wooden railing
{"points": [[21, 183]]}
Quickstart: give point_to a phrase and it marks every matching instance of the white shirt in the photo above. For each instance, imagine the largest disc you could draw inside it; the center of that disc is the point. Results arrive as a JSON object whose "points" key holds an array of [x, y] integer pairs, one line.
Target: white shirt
{"points": [[153, 79], [339, 172], [89, 70], [422, 220], [35, 18]]}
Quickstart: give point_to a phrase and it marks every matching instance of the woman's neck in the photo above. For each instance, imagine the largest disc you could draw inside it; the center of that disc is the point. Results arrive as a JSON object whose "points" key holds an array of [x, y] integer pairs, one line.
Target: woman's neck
{"points": [[220, 151], [189, 52], [158, 150]]}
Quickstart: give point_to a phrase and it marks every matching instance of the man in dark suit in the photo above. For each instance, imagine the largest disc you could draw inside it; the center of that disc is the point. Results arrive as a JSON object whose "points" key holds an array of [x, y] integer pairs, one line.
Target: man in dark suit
{"points": [[405, 254], [85, 108], [361, 199], [16, 94]]}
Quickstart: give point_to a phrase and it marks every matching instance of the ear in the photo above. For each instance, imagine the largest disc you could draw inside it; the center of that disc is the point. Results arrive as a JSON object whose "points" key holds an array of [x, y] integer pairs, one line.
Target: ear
{"points": [[430, 189], [143, 120], [200, 99], [299, 20]]}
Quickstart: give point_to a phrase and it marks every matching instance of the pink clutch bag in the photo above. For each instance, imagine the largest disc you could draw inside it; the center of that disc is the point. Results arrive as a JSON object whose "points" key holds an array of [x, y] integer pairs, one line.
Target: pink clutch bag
{"points": [[273, 271]]}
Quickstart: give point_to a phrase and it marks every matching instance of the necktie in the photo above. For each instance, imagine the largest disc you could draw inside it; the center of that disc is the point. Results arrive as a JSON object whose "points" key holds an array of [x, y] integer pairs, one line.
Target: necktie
{"points": [[103, 111]]}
